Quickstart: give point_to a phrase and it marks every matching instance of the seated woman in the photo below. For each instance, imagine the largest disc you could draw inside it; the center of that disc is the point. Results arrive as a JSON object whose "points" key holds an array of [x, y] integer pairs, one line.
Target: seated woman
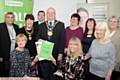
{"points": [[72, 65]]}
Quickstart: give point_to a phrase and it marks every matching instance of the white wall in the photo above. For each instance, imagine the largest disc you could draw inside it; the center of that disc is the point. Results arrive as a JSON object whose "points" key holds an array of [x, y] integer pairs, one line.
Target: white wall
{"points": [[113, 6], [64, 8]]}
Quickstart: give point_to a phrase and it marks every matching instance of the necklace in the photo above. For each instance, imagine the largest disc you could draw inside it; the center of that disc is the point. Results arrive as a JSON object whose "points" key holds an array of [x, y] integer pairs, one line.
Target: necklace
{"points": [[29, 34], [50, 29]]}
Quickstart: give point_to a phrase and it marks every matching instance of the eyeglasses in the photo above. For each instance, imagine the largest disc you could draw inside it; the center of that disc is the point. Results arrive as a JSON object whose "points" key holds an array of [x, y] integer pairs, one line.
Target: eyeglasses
{"points": [[113, 21]]}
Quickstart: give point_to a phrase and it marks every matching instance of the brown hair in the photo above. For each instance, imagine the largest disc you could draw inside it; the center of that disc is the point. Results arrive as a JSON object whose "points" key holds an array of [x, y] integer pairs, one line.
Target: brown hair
{"points": [[11, 13], [29, 16], [41, 11]]}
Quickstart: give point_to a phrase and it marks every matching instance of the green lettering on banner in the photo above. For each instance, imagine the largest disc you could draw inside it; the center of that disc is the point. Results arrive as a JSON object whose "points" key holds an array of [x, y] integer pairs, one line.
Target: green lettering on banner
{"points": [[19, 7]]}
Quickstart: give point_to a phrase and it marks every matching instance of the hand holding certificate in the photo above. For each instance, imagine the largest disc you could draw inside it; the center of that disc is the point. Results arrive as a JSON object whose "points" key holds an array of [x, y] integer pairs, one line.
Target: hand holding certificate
{"points": [[44, 49]]}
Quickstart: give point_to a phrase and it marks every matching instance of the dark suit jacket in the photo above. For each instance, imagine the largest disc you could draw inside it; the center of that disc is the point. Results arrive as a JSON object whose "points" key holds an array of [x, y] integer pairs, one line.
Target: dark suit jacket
{"points": [[5, 42], [36, 23], [58, 37]]}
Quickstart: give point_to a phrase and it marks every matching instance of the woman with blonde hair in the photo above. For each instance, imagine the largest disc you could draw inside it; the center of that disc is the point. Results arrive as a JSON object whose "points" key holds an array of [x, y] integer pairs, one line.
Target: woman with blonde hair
{"points": [[20, 58], [102, 26], [115, 38], [72, 65], [102, 53], [77, 43]]}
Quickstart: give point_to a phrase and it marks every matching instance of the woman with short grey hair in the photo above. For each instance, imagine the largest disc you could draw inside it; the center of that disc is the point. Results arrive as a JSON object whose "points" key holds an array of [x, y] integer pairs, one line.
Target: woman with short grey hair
{"points": [[102, 53]]}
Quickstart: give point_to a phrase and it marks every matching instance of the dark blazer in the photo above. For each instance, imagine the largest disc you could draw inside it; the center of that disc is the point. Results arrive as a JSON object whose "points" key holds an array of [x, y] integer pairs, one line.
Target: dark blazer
{"points": [[58, 37], [5, 44], [5, 40], [36, 23]]}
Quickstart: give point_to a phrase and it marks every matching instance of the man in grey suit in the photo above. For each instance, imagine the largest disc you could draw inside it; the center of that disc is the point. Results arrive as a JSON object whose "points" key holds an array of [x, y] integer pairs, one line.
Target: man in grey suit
{"points": [[8, 32]]}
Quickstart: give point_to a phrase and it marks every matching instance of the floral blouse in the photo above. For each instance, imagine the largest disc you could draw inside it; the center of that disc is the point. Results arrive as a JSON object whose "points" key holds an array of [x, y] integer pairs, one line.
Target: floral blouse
{"points": [[73, 68], [20, 63]]}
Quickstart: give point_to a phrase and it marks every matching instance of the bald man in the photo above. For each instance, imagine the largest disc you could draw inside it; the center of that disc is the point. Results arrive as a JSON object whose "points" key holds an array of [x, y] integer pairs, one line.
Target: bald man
{"points": [[54, 31]]}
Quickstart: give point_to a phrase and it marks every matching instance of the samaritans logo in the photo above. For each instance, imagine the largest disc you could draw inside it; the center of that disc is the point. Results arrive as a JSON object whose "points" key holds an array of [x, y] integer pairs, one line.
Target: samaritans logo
{"points": [[19, 7]]}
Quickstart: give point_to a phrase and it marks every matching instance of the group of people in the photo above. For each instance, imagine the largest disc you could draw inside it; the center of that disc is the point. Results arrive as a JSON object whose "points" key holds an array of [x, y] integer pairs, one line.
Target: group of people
{"points": [[78, 54]]}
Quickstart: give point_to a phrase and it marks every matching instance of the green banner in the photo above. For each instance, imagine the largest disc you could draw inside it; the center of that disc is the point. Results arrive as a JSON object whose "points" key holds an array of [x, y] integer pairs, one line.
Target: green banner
{"points": [[19, 7]]}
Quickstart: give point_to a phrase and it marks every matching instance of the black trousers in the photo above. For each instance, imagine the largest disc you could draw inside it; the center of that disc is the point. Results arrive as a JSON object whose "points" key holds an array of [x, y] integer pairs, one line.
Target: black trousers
{"points": [[94, 77], [1, 69], [115, 75], [46, 69], [4, 69], [56, 77]]}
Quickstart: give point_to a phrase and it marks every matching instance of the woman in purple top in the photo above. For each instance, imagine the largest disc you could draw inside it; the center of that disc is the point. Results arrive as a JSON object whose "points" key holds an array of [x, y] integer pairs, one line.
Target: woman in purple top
{"points": [[74, 30]]}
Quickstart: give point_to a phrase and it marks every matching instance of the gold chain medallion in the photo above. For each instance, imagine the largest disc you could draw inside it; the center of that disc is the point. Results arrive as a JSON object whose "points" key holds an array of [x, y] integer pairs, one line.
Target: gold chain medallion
{"points": [[30, 37], [29, 34], [50, 30], [50, 33]]}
